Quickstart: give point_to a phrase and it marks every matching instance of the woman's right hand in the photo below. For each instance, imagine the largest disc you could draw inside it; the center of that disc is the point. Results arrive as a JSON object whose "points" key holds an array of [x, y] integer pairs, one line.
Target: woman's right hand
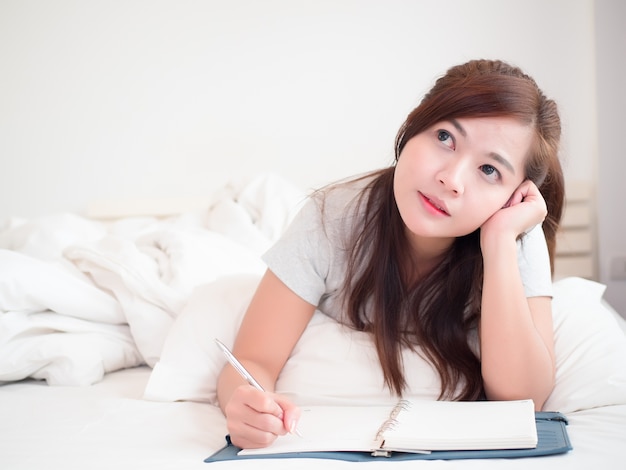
{"points": [[256, 418]]}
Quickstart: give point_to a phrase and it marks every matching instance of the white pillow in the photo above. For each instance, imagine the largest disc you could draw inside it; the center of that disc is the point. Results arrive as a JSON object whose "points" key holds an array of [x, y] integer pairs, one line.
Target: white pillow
{"points": [[330, 363], [190, 360], [333, 364], [590, 349]]}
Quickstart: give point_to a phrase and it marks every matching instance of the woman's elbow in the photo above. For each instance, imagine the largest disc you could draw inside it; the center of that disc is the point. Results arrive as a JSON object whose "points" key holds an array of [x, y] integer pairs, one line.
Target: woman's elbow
{"points": [[538, 392]]}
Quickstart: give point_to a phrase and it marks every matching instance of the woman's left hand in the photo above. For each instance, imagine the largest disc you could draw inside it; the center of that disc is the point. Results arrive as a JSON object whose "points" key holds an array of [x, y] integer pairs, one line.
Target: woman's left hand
{"points": [[524, 209]]}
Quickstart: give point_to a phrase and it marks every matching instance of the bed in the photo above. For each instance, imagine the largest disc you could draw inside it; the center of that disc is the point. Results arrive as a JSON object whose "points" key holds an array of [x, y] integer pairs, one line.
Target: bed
{"points": [[106, 340]]}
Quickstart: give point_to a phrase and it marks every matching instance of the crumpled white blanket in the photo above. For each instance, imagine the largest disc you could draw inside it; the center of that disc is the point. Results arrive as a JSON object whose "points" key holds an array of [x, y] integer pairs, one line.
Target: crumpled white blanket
{"points": [[80, 298]]}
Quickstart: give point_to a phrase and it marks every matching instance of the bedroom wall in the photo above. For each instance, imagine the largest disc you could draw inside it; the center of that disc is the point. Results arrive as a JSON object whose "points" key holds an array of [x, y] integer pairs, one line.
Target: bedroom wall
{"points": [[139, 99], [144, 98], [611, 214]]}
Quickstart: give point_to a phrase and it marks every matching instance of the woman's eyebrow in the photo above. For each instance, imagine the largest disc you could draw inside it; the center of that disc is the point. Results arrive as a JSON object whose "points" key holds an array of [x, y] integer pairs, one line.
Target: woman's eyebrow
{"points": [[503, 161], [458, 127], [495, 156]]}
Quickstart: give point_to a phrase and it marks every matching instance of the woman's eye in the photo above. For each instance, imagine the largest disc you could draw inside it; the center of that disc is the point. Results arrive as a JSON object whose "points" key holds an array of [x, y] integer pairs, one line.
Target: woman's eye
{"points": [[490, 171], [446, 138]]}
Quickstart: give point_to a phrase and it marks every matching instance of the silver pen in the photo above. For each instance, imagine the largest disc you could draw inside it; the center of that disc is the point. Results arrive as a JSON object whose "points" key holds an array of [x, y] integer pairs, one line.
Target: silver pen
{"points": [[239, 366], [242, 371]]}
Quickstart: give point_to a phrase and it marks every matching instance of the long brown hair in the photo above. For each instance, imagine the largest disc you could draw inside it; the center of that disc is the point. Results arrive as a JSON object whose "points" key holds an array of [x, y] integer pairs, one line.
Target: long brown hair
{"points": [[435, 314]]}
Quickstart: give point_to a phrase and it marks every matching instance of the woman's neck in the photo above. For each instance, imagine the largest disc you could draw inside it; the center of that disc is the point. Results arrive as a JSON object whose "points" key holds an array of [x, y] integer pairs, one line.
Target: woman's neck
{"points": [[426, 254]]}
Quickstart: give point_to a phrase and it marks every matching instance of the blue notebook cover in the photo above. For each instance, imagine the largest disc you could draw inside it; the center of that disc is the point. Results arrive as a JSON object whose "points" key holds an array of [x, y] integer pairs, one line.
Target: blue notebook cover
{"points": [[551, 433]]}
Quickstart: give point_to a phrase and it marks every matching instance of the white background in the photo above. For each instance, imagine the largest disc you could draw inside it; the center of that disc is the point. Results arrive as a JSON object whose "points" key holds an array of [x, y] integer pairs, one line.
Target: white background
{"points": [[123, 99]]}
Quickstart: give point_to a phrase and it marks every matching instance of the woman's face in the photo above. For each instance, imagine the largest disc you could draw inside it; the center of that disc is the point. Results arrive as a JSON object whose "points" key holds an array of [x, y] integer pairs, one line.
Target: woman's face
{"points": [[452, 177]]}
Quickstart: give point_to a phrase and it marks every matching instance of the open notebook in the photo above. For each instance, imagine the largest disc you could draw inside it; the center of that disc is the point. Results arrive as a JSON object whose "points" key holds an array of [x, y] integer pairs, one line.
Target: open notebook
{"points": [[411, 426]]}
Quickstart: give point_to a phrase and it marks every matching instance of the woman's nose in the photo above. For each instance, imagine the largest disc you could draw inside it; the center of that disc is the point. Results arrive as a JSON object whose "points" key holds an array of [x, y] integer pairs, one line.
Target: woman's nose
{"points": [[451, 176]]}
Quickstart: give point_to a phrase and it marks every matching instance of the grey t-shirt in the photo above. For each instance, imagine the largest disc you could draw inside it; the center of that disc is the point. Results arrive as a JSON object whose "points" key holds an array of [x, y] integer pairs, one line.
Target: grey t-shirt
{"points": [[311, 257]]}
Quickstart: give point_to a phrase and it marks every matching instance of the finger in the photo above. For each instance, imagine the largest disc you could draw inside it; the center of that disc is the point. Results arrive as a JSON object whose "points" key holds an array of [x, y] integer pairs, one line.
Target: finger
{"points": [[254, 419], [264, 402], [516, 198], [265, 422], [291, 414], [251, 429], [251, 438], [527, 190]]}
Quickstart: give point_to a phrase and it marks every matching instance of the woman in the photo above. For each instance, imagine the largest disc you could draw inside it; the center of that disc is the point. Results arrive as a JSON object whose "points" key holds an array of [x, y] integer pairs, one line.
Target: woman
{"points": [[448, 252]]}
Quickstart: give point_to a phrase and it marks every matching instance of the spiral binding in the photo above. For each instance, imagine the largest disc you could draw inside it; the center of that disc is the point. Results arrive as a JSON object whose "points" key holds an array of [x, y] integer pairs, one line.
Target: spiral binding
{"points": [[390, 423]]}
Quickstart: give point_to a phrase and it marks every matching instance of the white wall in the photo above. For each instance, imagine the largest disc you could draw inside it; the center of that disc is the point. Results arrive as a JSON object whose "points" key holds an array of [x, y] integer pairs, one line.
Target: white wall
{"points": [[144, 98], [611, 65], [117, 99]]}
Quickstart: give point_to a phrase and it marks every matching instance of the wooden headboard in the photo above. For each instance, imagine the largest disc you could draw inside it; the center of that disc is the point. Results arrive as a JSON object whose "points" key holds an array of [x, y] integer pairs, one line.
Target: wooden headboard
{"points": [[576, 248]]}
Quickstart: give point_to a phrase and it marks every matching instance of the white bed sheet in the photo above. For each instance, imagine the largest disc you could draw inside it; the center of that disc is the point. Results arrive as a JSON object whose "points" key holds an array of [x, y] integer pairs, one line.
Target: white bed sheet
{"points": [[156, 291], [108, 425]]}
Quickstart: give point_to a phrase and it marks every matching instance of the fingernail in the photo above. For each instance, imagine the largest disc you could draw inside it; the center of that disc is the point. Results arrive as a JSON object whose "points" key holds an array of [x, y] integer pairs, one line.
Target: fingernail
{"points": [[293, 428]]}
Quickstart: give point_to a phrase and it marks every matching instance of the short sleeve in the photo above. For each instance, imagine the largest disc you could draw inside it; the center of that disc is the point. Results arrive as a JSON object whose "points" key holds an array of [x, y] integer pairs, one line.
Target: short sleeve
{"points": [[301, 257], [534, 263]]}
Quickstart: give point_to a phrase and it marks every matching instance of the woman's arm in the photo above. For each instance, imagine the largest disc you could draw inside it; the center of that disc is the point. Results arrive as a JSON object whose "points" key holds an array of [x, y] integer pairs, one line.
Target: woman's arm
{"points": [[516, 339], [270, 329], [516, 333]]}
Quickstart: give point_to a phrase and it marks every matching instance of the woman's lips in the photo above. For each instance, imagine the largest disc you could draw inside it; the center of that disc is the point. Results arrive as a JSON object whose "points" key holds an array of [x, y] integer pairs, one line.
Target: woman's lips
{"points": [[433, 205]]}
